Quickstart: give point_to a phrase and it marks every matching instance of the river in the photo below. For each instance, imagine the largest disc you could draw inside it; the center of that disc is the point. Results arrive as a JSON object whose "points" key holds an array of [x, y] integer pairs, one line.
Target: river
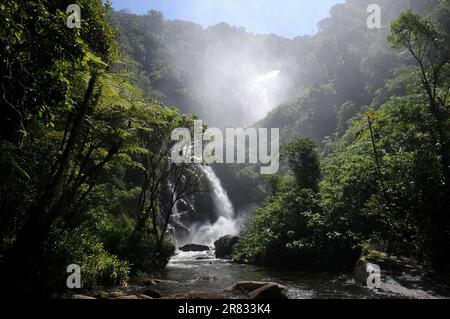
{"points": [[201, 271], [193, 271]]}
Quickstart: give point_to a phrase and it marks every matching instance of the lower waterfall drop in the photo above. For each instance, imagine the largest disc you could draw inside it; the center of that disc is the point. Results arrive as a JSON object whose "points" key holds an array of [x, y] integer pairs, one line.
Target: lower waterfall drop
{"points": [[225, 224]]}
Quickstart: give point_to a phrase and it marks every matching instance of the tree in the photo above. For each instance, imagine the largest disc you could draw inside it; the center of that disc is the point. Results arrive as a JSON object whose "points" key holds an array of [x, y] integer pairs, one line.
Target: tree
{"points": [[427, 45], [40, 58], [154, 127], [301, 155], [75, 162]]}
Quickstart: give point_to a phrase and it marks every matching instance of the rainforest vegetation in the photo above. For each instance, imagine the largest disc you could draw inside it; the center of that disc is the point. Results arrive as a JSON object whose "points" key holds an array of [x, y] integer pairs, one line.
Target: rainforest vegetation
{"points": [[87, 114]]}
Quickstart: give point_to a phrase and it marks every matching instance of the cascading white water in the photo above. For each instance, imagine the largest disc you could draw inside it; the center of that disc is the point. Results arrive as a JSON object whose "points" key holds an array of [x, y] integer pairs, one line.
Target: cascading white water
{"points": [[176, 225], [225, 224]]}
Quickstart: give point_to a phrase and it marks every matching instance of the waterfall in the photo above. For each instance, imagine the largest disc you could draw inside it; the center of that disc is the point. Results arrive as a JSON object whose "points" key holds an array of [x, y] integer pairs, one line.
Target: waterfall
{"points": [[225, 224], [176, 227]]}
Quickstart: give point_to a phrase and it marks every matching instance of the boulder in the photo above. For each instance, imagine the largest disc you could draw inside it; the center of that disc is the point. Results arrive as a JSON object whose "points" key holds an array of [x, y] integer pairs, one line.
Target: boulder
{"points": [[143, 280], [225, 246], [397, 276], [152, 293], [249, 286], [148, 282], [268, 291], [189, 295], [77, 296], [116, 294], [128, 297], [194, 247], [369, 260]]}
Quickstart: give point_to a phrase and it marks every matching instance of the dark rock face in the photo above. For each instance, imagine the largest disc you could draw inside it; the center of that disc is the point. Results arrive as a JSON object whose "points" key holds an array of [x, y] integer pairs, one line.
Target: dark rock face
{"points": [[225, 245], [194, 247]]}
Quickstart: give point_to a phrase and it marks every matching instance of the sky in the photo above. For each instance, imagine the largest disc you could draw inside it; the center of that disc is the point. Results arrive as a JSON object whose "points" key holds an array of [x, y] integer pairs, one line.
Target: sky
{"points": [[287, 18]]}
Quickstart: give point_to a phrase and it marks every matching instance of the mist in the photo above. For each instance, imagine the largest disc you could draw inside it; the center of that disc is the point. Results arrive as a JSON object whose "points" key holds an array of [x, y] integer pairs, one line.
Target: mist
{"points": [[234, 78]]}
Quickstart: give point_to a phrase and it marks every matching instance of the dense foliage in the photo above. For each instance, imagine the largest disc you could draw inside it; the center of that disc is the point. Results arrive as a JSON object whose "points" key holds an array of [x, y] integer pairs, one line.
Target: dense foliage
{"points": [[84, 153], [85, 138], [385, 156]]}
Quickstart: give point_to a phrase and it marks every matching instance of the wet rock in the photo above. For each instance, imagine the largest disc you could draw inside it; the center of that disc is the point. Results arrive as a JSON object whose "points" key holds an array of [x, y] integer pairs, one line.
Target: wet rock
{"points": [[268, 291], [390, 286], [370, 259], [128, 297], [149, 282], [143, 280], [154, 294], [397, 276], [116, 294], [194, 247], [203, 258], [208, 278], [249, 286], [225, 246], [77, 296], [196, 295]]}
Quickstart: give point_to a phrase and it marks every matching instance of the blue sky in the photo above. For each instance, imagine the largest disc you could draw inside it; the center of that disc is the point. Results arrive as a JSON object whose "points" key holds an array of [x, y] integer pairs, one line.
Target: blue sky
{"points": [[288, 18]]}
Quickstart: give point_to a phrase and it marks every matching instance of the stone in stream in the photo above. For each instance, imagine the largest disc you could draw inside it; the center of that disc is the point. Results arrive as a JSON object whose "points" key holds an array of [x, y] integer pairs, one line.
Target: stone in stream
{"points": [[225, 246], [370, 259], [189, 295], [194, 247], [149, 282], [268, 291], [208, 278], [397, 276], [77, 296], [116, 294], [127, 297], [249, 286], [152, 293]]}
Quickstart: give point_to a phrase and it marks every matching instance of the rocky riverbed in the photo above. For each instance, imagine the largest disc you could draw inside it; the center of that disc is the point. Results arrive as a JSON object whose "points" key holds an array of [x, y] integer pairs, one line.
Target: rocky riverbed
{"points": [[199, 275]]}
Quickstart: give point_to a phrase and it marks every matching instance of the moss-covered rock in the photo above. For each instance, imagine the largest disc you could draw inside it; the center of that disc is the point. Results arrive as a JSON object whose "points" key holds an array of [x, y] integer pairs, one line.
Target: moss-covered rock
{"points": [[369, 258], [225, 246]]}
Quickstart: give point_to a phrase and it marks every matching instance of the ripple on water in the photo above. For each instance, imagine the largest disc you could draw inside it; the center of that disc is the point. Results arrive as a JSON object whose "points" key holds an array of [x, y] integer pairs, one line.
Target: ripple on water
{"points": [[190, 271]]}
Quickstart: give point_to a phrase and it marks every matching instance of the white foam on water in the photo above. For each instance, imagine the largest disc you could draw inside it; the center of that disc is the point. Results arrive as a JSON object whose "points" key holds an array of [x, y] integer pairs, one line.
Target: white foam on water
{"points": [[206, 234]]}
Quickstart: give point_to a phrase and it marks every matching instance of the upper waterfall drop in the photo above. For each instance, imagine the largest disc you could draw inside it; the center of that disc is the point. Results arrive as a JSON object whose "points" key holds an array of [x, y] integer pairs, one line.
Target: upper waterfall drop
{"points": [[222, 203], [225, 224]]}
